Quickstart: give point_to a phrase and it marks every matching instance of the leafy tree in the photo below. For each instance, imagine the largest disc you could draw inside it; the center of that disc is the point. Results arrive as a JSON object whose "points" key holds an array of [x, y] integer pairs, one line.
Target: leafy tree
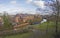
{"points": [[7, 24]]}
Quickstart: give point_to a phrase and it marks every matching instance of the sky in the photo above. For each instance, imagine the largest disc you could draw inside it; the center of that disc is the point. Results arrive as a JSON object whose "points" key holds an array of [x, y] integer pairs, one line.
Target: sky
{"points": [[24, 6]]}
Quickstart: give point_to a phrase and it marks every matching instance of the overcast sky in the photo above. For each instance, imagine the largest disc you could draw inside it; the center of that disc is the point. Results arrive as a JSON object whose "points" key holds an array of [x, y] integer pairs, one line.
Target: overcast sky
{"points": [[28, 6]]}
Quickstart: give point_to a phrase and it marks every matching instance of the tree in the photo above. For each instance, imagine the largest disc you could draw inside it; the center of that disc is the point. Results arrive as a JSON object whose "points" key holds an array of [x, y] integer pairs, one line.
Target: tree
{"points": [[56, 5], [57, 15], [7, 24]]}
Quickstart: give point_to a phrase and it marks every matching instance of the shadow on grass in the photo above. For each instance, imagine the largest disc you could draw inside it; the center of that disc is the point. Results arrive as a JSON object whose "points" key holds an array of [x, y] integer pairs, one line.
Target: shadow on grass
{"points": [[57, 35]]}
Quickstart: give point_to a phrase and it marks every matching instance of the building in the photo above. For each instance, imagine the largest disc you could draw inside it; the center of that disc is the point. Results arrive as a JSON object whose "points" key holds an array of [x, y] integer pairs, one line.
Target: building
{"points": [[1, 23], [22, 20]]}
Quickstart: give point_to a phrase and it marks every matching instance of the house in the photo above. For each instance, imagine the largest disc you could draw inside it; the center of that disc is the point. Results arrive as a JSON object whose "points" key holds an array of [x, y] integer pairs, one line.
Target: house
{"points": [[22, 20], [1, 23]]}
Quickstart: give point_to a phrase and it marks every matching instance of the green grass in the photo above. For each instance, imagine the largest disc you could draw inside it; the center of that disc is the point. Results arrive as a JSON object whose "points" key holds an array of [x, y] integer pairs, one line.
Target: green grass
{"points": [[25, 35], [50, 30], [42, 27]]}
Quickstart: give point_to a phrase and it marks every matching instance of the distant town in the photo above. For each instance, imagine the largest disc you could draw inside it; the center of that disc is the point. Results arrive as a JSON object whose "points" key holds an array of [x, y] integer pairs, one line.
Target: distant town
{"points": [[19, 20]]}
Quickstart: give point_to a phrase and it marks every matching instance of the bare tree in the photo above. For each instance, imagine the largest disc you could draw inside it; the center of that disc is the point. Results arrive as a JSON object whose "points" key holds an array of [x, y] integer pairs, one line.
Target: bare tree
{"points": [[57, 14], [55, 7]]}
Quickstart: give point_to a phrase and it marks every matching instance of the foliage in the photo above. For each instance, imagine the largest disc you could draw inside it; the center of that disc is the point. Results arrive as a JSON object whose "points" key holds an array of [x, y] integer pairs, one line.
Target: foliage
{"points": [[7, 24], [25, 35]]}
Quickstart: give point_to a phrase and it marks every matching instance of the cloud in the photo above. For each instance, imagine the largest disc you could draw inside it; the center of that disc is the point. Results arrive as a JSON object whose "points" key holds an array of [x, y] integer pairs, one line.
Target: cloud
{"points": [[39, 3], [48, 3], [10, 8], [14, 7], [46, 11], [13, 2], [29, 1]]}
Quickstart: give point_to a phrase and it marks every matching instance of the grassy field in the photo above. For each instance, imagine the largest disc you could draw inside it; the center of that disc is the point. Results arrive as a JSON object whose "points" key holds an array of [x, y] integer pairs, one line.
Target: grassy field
{"points": [[46, 32], [49, 32], [25, 35]]}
